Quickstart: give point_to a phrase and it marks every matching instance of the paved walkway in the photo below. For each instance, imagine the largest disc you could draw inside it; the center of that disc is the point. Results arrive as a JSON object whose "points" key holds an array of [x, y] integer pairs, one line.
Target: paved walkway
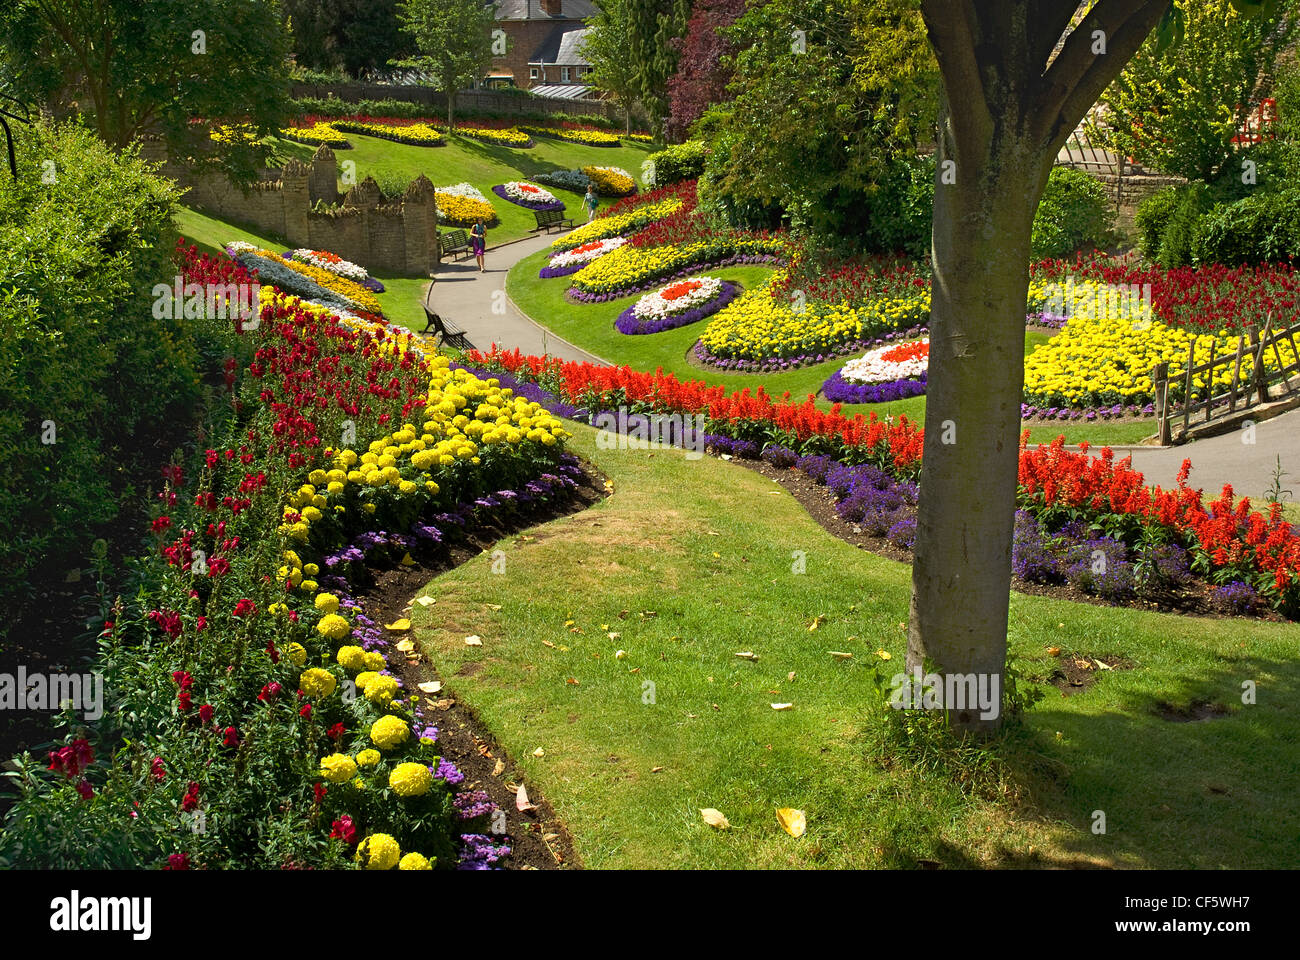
{"points": [[1229, 458], [478, 303]]}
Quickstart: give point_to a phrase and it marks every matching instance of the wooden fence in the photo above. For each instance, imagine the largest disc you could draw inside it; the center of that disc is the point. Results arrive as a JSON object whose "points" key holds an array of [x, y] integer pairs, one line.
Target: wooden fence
{"points": [[1201, 405]]}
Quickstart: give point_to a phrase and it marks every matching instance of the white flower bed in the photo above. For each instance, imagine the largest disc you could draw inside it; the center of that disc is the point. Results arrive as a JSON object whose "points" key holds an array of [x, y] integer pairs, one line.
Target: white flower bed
{"points": [[587, 252], [342, 268], [530, 192], [873, 369], [655, 306], [462, 190]]}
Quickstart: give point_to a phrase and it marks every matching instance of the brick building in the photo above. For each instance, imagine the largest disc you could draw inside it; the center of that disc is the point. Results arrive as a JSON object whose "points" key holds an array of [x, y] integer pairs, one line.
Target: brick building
{"points": [[535, 31]]}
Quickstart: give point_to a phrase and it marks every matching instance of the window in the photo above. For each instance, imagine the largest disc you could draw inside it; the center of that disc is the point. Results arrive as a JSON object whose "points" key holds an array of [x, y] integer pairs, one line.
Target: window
{"points": [[564, 74], [532, 73]]}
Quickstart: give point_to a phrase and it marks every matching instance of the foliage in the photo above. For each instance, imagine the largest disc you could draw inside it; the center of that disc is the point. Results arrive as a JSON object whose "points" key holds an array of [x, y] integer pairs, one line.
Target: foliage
{"points": [[82, 352], [1177, 110], [822, 115], [452, 39], [151, 66], [683, 161], [1262, 228], [703, 71], [653, 29], [1074, 214], [608, 48]]}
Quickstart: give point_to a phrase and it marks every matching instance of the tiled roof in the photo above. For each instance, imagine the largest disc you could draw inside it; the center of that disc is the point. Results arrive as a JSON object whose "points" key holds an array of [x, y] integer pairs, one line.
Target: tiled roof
{"points": [[532, 10]]}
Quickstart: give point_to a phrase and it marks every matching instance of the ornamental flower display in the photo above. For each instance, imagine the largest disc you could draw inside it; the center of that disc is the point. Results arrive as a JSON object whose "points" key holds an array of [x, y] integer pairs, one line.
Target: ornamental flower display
{"points": [[324, 260], [305, 279], [676, 305], [410, 779], [338, 768], [610, 181], [573, 260], [590, 136], [416, 133], [506, 136], [379, 851], [463, 205], [528, 195], [315, 132], [891, 372], [389, 732]]}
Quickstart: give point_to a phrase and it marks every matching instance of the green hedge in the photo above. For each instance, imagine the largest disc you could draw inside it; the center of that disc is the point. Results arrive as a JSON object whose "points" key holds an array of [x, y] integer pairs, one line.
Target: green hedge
{"points": [[411, 110], [1201, 224], [1073, 215], [683, 161], [82, 360]]}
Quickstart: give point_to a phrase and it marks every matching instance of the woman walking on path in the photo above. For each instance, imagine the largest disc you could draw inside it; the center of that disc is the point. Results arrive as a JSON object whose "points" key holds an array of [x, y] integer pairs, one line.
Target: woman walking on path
{"points": [[590, 201], [478, 242]]}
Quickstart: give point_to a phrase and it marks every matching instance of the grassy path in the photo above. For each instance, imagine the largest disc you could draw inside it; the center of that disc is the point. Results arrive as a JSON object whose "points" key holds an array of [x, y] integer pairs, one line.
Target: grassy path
{"points": [[707, 546]]}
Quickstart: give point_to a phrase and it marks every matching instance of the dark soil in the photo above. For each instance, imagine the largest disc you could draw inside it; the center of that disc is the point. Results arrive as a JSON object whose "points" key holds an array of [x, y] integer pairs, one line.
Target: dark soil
{"points": [[537, 839], [1075, 672], [1195, 711], [820, 504]]}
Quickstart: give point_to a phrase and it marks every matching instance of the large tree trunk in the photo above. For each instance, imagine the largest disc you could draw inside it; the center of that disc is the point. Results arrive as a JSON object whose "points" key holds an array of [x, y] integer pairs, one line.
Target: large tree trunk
{"points": [[962, 563]]}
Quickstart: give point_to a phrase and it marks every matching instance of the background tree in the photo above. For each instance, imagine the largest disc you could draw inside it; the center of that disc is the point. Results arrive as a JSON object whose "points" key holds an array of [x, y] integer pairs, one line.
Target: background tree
{"points": [[1177, 109], [607, 46], [453, 40], [823, 120], [368, 35], [653, 26], [703, 67], [132, 67], [312, 24]]}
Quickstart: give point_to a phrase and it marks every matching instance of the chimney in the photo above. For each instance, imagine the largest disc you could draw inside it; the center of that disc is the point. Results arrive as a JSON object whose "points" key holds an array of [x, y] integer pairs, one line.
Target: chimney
{"points": [[551, 7]]}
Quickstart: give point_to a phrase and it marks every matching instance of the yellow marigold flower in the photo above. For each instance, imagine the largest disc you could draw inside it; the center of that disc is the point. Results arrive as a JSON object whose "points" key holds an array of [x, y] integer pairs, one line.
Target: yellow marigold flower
{"points": [[338, 768], [379, 851], [327, 603], [375, 660], [351, 658], [333, 627], [381, 689], [296, 654], [309, 586], [388, 732], [410, 779], [317, 683], [414, 861], [368, 757], [363, 679]]}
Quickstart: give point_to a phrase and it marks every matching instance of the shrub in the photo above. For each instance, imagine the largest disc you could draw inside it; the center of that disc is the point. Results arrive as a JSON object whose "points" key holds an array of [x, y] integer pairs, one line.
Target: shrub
{"points": [[1073, 215], [684, 161], [1152, 218], [83, 354], [1264, 228]]}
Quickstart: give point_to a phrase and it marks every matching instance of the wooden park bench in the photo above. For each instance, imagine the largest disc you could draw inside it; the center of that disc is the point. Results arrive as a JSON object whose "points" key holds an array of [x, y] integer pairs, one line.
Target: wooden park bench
{"points": [[447, 332], [453, 241], [551, 218]]}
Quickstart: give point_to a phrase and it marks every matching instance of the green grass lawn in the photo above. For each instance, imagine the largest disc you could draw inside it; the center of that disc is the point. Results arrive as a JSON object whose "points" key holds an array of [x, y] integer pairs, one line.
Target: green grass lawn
{"points": [[689, 563], [591, 327], [482, 164]]}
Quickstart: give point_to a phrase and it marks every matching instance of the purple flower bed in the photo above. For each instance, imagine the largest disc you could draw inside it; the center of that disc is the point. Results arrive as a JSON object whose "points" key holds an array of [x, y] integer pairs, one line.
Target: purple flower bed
{"points": [[1086, 414], [838, 390], [500, 191], [579, 296], [546, 273], [1049, 320], [781, 364], [628, 322]]}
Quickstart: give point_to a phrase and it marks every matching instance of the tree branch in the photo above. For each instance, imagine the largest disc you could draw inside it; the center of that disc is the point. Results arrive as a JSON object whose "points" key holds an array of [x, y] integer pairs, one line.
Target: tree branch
{"points": [[953, 31]]}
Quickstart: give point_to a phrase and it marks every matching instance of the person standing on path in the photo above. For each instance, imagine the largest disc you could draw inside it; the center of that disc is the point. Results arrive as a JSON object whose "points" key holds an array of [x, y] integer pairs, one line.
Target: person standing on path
{"points": [[590, 201], [478, 241]]}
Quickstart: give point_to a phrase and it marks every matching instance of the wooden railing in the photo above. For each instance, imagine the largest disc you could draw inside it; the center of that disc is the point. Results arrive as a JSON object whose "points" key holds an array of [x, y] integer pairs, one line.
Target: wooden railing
{"points": [[1201, 404]]}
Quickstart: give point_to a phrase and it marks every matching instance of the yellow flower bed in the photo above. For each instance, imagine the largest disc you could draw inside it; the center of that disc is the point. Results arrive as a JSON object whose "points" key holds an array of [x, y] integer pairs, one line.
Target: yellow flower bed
{"points": [[757, 326], [506, 136], [1108, 359], [363, 298], [462, 211], [416, 134], [609, 181], [320, 132], [629, 267], [618, 224], [592, 138]]}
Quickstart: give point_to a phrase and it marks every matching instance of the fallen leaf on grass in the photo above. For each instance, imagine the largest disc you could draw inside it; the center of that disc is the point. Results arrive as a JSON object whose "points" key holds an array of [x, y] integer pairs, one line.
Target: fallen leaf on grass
{"points": [[522, 803], [499, 769], [1101, 665], [817, 622], [714, 818], [1053, 651], [425, 601], [792, 821], [790, 675], [430, 686], [656, 769], [782, 706], [839, 654], [444, 704], [548, 644], [618, 654], [397, 626], [474, 641], [404, 646], [614, 635], [539, 752], [747, 655], [573, 681]]}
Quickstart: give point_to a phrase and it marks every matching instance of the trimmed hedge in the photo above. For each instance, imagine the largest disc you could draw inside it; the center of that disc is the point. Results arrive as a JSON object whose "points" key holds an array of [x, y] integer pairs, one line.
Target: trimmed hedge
{"points": [[1073, 215], [683, 161]]}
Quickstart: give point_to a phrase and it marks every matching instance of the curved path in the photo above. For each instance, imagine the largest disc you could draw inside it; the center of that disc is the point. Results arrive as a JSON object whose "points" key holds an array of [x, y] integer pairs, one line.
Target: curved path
{"points": [[478, 303]]}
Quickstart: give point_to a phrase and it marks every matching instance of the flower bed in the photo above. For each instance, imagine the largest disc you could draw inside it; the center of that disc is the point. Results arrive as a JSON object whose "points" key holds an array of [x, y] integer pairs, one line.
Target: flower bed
{"points": [[589, 136], [631, 215], [1232, 549], [676, 305], [610, 181], [463, 205], [632, 269], [304, 279], [506, 136], [316, 133], [235, 660], [570, 261], [324, 260], [415, 133], [528, 195], [892, 372]]}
